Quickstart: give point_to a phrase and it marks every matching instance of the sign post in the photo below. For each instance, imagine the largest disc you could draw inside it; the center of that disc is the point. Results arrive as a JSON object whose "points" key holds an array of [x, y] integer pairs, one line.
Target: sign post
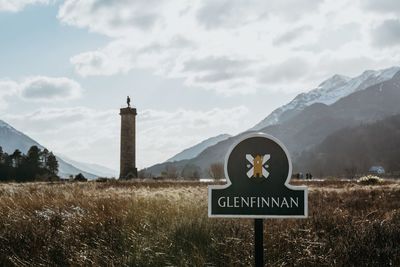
{"points": [[258, 169], [258, 242]]}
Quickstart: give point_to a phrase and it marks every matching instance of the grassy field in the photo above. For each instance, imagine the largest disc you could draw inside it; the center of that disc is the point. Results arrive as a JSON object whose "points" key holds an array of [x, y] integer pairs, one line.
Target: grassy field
{"points": [[166, 224]]}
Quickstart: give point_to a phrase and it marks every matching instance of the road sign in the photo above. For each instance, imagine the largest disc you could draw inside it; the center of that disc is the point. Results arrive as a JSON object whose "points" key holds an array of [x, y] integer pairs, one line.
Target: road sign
{"points": [[258, 170]]}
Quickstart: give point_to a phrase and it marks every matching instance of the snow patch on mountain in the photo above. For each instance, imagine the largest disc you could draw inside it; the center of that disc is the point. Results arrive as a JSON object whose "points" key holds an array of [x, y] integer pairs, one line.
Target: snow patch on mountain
{"points": [[9, 128], [328, 92], [5, 125]]}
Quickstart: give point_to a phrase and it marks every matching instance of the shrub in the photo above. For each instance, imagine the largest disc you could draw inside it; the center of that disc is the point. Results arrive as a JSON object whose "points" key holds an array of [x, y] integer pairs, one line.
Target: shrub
{"points": [[370, 180]]}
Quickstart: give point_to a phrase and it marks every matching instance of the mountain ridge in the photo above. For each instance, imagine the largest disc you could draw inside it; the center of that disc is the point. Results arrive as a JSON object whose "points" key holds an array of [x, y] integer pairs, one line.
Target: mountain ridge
{"points": [[195, 150], [94, 168], [327, 92], [311, 125], [12, 139]]}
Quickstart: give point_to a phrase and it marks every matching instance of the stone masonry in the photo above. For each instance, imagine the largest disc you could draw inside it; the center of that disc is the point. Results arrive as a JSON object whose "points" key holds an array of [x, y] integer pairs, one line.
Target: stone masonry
{"points": [[128, 143]]}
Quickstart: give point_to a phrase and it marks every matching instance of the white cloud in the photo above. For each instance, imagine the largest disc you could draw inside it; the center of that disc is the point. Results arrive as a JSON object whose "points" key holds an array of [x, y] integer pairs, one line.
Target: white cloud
{"points": [[291, 35], [18, 5], [351, 66], [382, 6], [91, 135], [387, 34], [162, 134], [285, 72], [180, 35], [226, 13], [113, 18], [167, 36], [334, 37], [114, 58], [41, 88], [7, 88]]}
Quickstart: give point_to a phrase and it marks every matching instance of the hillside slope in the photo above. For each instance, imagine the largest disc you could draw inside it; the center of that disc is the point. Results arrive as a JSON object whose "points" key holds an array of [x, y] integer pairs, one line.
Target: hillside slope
{"points": [[355, 149], [328, 92], [12, 139], [195, 150], [312, 125]]}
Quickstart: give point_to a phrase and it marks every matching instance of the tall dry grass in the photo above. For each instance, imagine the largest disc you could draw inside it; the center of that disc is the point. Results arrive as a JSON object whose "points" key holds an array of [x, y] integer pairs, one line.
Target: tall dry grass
{"points": [[166, 224]]}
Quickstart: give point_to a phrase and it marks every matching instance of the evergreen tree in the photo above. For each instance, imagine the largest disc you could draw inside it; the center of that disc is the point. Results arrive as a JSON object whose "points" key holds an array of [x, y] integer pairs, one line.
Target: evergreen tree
{"points": [[33, 155], [52, 164], [2, 165], [16, 158], [32, 163], [35, 165], [43, 157], [1, 155], [8, 167]]}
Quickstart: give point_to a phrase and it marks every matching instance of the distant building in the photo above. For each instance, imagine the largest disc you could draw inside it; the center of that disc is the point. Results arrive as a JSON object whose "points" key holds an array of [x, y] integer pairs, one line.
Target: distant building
{"points": [[377, 170]]}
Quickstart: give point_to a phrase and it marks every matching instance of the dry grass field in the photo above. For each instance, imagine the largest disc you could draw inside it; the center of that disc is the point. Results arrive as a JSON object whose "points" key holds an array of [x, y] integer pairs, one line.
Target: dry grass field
{"points": [[166, 224]]}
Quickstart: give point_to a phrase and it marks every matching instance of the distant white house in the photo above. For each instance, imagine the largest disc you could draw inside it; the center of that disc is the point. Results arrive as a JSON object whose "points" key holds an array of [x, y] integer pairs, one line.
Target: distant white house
{"points": [[377, 170]]}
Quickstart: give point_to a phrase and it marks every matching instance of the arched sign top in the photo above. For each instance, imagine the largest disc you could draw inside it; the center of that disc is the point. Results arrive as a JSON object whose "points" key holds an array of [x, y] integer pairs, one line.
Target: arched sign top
{"points": [[257, 149], [258, 169]]}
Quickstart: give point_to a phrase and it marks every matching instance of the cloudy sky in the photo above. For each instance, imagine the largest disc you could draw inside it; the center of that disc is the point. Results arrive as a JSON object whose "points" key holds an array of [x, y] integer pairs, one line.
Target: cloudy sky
{"points": [[194, 69]]}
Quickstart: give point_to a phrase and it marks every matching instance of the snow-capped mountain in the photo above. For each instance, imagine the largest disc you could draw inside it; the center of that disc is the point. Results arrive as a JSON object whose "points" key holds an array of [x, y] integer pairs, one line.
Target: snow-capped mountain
{"points": [[96, 169], [12, 139], [195, 150], [310, 126], [328, 92]]}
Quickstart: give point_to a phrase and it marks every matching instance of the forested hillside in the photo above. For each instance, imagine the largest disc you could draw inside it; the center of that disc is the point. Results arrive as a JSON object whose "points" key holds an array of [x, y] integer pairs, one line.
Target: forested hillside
{"points": [[355, 149]]}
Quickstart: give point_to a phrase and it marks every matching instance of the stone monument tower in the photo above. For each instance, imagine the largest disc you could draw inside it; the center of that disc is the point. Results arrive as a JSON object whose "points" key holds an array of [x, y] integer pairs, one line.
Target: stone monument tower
{"points": [[128, 143]]}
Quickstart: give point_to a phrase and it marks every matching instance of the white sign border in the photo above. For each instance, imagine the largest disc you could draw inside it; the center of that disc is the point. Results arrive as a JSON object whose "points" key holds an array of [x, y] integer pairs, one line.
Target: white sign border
{"points": [[228, 183]]}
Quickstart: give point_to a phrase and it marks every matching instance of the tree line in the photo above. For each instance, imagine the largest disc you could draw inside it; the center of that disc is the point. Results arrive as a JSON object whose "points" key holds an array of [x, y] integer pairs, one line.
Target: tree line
{"points": [[189, 171], [35, 165], [352, 151]]}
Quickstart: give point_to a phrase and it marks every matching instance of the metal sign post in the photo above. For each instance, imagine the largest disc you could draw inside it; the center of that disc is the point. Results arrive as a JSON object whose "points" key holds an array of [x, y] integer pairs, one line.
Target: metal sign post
{"points": [[258, 169], [259, 242]]}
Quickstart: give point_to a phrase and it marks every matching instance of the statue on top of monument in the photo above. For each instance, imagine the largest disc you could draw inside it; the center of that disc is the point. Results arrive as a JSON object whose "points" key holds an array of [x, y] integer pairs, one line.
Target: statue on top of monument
{"points": [[128, 101]]}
